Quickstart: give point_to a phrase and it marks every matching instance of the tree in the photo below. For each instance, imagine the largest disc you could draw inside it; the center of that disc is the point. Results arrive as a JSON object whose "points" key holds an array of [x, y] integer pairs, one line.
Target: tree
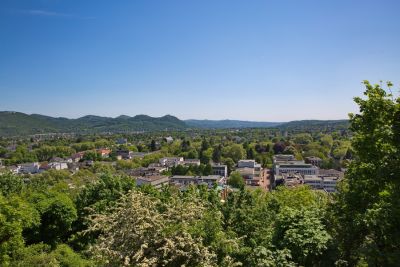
{"points": [[367, 207], [97, 197], [279, 147], [153, 145], [217, 153], [142, 231], [250, 153], [92, 155], [42, 255], [302, 232], [205, 155], [302, 138], [57, 213], [289, 150], [236, 180], [22, 154], [10, 183], [236, 152], [16, 215]]}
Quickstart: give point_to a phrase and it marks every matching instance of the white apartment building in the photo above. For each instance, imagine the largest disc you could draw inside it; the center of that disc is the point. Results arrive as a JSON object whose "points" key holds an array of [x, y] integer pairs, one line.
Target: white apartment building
{"points": [[288, 164], [156, 181], [322, 182], [248, 163], [29, 167], [58, 165], [210, 180], [171, 161]]}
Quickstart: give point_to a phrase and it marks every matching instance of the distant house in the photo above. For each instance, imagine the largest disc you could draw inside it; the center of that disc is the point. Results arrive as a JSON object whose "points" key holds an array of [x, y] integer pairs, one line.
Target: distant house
{"points": [[57, 159], [139, 154], [219, 169], [12, 147], [15, 169], [124, 154], [104, 153], [171, 161], [314, 161], [247, 163], [122, 141], [209, 180], [29, 168], [288, 180], [332, 173], [319, 182], [58, 165], [73, 166], [252, 173], [169, 139], [194, 162], [78, 156], [143, 171], [288, 164], [156, 181]]}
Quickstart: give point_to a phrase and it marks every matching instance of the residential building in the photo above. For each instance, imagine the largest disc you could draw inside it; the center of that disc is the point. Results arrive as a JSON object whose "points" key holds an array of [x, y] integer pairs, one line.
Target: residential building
{"points": [[314, 161], [30, 168], [171, 161], [288, 179], [332, 173], [146, 171], [219, 169], [288, 164], [252, 173], [327, 183], [156, 181], [139, 154], [209, 180], [283, 158], [248, 163], [169, 139], [58, 165], [124, 154], [121, 141], [15, 169], [73, 166], [104, 153], [194, 162], [77, 156]]}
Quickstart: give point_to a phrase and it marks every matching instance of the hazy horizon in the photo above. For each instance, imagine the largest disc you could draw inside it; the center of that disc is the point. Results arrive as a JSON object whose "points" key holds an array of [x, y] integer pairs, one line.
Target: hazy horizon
{"points": [[202, 119], [259, 61]]}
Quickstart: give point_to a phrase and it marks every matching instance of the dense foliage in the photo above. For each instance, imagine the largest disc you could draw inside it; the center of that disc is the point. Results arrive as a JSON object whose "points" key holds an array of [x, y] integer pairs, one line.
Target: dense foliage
{"points": [[368, 207]]}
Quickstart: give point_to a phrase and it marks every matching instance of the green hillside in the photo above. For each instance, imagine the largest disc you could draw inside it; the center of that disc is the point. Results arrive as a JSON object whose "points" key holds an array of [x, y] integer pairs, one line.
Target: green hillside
{"points": [[17, 123]]}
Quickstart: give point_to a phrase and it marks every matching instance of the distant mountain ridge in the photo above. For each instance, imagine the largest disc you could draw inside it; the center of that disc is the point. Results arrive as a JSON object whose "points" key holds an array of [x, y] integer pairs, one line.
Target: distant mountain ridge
{"points": [[226, 124], [18, 123], [303, 125]]}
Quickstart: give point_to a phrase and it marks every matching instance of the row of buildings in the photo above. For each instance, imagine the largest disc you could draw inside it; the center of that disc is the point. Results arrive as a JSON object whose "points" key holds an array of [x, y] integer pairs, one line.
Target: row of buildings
{"points": [[252, 172], [181, 181], [291, 172]]}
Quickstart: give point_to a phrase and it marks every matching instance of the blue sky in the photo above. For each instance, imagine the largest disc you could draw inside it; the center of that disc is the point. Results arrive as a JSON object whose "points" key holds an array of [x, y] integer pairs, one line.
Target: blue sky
{"points": [[250, 60]]}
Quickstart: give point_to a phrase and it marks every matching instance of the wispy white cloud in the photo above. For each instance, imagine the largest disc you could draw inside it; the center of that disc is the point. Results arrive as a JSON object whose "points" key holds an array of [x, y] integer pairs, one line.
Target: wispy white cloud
{"points": [[46, 13]]}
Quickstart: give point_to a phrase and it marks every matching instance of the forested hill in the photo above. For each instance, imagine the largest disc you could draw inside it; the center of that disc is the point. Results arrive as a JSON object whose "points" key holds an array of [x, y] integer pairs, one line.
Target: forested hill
{"points": [[307, 125], [17, 123], [226, 124]]}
